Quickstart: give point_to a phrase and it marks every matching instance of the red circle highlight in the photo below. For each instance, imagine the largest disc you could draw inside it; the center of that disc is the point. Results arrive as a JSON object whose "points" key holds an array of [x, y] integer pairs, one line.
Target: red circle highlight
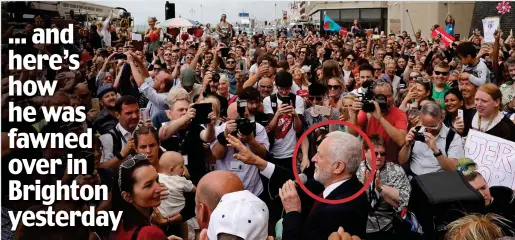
{"points": [[338, 201]]}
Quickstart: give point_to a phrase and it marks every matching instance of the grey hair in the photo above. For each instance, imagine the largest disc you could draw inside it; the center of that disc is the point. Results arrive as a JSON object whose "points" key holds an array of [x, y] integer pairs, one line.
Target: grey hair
{"points": [[432, 109], [177, 93], [347, 148], [383, 83]]}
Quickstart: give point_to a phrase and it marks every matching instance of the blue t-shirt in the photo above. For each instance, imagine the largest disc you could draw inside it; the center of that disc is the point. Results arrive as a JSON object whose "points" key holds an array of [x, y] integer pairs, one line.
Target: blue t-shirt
{"points": [[449, 28]]}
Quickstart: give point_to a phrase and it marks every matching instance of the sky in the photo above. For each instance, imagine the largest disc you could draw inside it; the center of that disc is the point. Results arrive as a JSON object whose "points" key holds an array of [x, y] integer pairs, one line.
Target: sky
{"points": [[209, 13]]}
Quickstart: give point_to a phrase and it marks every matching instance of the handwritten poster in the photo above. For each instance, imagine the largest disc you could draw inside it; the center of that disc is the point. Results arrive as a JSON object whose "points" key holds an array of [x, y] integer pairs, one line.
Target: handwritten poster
{"points": [[494, 156], [489, 26]]}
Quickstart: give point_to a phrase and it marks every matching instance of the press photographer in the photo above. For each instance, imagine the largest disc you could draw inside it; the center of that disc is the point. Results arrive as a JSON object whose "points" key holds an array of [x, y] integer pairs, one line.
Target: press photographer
{"points": [[252, 134], [375, 114]]}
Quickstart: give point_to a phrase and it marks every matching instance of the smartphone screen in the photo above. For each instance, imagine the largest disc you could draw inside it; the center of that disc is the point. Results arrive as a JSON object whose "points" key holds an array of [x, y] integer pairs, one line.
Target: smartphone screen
{"points": [[202, 112], [460, 113], [95, 104]]}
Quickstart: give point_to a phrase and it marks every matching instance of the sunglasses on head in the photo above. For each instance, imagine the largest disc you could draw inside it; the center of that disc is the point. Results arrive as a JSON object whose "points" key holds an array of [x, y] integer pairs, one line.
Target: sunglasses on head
{"points": [[441, 73], [313, 98], [128, 164]]}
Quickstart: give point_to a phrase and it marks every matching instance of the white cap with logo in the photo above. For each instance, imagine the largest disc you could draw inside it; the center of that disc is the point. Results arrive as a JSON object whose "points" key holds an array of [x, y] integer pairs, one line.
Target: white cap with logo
{"points": [[240, 214]]}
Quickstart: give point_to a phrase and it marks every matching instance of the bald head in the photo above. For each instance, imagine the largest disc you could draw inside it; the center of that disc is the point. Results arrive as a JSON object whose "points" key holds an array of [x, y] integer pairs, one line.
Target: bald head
{"points": [[169, 160], [232, 111], [214, 185]]}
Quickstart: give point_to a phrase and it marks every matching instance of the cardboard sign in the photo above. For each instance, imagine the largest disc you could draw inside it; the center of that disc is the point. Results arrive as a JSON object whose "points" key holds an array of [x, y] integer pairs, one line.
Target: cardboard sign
{"points": [[495, 158], [490, 25], [441, 34]]}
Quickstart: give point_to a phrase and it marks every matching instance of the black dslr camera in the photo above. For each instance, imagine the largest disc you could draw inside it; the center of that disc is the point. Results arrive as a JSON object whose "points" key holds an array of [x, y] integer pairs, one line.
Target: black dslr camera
{"points": [[368, 96], [243, 125]]}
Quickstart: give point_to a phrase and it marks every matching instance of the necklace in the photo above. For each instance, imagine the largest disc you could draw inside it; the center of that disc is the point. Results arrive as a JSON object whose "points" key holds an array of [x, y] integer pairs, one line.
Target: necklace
{"points": [[487, 126]]}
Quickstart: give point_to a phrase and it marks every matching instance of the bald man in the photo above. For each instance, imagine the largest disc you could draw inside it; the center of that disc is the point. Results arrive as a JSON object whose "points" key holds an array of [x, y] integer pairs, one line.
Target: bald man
{"points": [[257, 142], [210, 190]]}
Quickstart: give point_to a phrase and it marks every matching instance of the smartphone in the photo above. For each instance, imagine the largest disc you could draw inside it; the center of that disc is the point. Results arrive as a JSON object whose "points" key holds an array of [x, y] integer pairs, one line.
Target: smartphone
{"points": [[370, 32], [120, 56], [95, 104], [414, 112], [457, 36], [376, 37], [144, 114], [202, 112], [412, 58], [70, 75], [225, 52], [286, 100], [264, 63], [274, 44], [460, 113], [322, 110]]}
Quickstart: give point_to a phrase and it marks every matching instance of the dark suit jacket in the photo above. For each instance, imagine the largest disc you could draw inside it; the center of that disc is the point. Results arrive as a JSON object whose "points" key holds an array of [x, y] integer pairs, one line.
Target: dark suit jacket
{"points": [[326, 218]]}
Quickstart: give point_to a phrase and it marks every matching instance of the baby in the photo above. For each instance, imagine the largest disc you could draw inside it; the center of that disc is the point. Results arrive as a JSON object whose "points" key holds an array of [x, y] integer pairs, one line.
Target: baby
{"points": [[172, 176]]}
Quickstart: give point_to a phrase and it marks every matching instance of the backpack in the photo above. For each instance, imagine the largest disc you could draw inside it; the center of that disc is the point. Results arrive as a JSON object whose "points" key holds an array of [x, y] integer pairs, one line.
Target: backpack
{"points": [[136, 233], [448, 141], [273, 100], [117, 138]]}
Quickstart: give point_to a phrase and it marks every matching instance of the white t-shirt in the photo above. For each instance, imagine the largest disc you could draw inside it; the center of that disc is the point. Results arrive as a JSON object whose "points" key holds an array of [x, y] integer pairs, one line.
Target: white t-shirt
{"points": [[284, 146], [175, 201], [249, 174], [346, 75]]}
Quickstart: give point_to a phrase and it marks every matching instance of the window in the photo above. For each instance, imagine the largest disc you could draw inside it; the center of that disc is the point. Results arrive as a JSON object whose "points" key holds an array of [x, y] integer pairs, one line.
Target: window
{"points": [[349, 14], [370, 13], [334, 14]]}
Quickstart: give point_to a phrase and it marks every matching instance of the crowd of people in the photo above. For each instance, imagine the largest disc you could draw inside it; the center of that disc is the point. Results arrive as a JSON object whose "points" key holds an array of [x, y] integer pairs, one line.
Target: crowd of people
{"points": [[196, 138]]}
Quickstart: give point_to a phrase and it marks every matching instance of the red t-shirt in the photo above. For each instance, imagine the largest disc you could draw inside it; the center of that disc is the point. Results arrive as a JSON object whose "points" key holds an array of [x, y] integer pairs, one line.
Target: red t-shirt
{"points": [[145, 233], [395, 116]]}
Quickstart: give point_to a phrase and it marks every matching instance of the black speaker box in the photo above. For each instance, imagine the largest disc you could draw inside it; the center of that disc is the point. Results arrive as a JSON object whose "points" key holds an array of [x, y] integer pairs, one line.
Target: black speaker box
{"points": [[439, 198], [169, 10]]}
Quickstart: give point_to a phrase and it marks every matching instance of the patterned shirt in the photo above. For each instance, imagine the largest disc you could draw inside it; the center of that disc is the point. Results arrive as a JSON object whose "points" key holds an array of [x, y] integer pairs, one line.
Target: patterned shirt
{"points": [[381, 215], [508, 92]]}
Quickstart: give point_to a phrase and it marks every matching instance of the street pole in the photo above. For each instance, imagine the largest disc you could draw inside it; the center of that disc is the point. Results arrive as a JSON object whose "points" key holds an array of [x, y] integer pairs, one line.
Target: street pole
{"points": [[275, 12], [201, 14]]}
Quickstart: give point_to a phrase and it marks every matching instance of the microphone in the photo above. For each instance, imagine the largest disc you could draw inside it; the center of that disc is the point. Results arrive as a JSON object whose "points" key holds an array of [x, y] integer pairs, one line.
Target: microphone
{"points": [[303, 178]]}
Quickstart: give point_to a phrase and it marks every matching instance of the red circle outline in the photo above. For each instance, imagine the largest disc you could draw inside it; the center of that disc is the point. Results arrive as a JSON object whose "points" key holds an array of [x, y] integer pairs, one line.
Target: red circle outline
{"points": [[296, 173]]}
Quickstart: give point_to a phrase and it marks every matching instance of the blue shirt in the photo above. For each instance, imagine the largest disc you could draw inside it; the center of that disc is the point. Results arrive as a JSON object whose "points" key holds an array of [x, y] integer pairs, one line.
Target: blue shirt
{"points": [[449, 28]]}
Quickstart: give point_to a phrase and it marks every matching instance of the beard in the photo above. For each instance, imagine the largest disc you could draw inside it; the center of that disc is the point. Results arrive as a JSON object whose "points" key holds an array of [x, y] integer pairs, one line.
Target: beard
{"points": [[321, 176]]}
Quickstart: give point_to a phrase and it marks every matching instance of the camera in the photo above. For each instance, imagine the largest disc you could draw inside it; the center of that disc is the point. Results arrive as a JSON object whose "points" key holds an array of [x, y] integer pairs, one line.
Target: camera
{"points": [[368, 96], [243, 125], [419, 136]]}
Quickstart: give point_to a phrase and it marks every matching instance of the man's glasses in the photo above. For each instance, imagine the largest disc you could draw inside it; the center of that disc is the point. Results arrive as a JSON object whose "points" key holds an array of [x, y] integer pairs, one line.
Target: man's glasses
{"points": [[267, 86], [379, 154], [432, 127], [313, 98], [441, 73], [128, 164], [334, 87]]}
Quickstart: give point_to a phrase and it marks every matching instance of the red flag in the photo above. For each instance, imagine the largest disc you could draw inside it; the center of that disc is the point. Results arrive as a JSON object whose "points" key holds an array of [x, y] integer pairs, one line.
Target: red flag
{"points": [[343, 32]]}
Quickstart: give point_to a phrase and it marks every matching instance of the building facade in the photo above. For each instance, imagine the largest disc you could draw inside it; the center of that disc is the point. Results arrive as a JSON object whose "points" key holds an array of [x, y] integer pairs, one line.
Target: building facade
{"points": [[393, 16]]}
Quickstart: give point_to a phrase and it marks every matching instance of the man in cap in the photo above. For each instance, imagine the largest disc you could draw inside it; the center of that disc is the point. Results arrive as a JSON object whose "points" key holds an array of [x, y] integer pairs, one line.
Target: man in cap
{"points": [[239, 215], [188, 82], [106, 119]]}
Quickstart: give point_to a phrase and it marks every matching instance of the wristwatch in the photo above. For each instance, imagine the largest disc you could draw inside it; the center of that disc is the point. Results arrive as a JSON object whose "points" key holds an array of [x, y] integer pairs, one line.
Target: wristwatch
{"points": [[438, 154]]}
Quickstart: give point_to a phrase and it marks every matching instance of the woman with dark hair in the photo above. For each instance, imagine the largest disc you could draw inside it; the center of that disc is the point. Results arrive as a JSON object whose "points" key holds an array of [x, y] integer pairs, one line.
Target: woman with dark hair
{"points": [[453, 104], [419, 91], [137, 192], [330, 69], [146, 142]]}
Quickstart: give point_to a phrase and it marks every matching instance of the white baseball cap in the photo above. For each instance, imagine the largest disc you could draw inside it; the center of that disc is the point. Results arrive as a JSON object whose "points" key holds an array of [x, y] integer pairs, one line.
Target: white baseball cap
{"points": [[241, 214]]}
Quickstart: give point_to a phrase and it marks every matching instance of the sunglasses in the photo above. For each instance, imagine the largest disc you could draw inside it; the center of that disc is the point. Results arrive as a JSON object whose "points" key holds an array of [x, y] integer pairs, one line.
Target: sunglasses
{"points": [[313, 98], [432, 128], [350, 59], [189, 57], [377, 69], [175, 50], [267, 86], [128, 164], [414, 77], [231, 62], [379, 154], [333, 87], [441, 73], [168, 54]]}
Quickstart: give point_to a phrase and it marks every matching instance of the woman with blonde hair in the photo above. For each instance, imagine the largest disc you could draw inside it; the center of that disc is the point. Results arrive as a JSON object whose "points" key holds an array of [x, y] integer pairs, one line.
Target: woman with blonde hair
{"points": [[152, 36], [334, 91], [300, 82], [345, 106], [475, 227], [489, 118]]}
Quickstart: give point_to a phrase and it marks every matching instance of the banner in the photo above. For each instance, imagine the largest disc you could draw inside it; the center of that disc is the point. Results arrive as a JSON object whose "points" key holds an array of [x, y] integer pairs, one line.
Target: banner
{"points": [[343, 32], [443, 36], [495, 158], [330, 24], [490, 24]]}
